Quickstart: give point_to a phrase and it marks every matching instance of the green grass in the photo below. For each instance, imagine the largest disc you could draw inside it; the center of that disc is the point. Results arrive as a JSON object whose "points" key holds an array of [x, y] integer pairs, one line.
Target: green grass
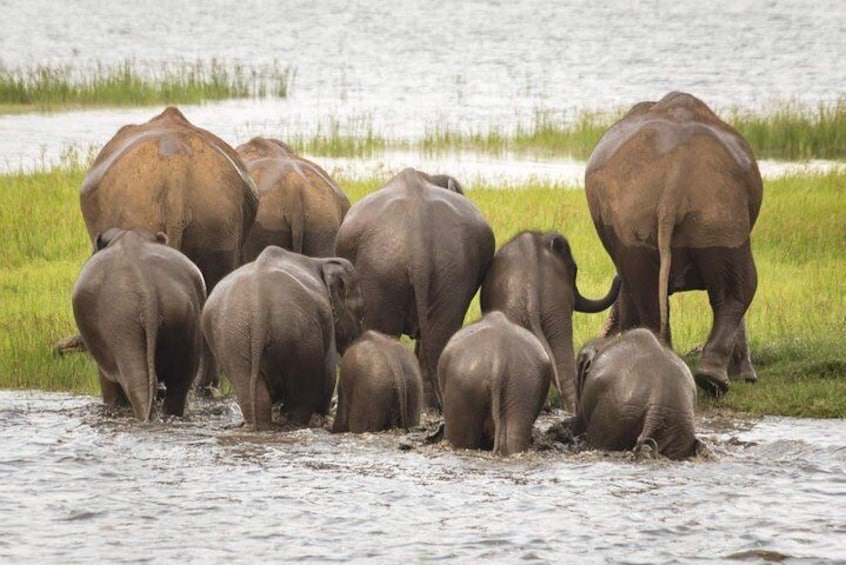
{"points": [[786, 130], [45, 87], [797, 323]]}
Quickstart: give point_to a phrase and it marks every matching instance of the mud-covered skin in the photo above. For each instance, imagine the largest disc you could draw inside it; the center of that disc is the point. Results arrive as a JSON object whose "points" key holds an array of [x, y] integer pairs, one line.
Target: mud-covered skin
{"points": [[674, 193], [494, 377], [532, 280], [276, 327], [137, 304], [421, 250], [633, 394], [300, 206], [379, 386]]}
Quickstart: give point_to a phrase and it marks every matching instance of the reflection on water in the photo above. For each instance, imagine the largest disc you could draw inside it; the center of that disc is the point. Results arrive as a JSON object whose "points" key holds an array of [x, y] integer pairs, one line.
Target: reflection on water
{"points": [[82, 486]]}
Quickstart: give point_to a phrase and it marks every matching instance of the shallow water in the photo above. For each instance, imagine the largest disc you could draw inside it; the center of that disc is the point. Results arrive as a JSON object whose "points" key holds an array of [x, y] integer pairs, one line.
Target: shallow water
{"points": [[82, 486], [402, 69]]}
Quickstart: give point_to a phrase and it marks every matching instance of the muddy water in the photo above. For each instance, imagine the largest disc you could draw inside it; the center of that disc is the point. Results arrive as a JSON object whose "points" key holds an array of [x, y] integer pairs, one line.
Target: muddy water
{"points": [[82, 486]]}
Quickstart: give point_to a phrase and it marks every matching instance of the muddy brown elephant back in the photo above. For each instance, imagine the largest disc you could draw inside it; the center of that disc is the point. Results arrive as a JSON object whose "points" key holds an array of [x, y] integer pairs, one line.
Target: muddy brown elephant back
{"points": [[674, 193], [169, 176], [421, 249], [300, 206]]}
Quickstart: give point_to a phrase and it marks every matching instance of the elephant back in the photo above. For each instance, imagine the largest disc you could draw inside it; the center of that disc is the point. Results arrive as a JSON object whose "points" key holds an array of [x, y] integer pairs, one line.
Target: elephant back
{"points": [[171, 176]]}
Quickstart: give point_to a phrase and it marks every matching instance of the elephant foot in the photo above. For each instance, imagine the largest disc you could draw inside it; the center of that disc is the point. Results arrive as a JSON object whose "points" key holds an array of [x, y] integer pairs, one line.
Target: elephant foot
{"points": [[745, 375], [713, 381]]}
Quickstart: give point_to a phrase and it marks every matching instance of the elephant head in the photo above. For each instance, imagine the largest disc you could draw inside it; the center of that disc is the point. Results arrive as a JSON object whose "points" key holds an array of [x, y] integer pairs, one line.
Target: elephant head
{"points": [[347, 300], [582, 304]]}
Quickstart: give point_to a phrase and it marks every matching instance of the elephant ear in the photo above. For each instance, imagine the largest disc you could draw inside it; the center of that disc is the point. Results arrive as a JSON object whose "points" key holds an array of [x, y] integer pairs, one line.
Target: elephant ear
{"points": [[103, 239], [335, 273], [584, 361], [561, 247]]}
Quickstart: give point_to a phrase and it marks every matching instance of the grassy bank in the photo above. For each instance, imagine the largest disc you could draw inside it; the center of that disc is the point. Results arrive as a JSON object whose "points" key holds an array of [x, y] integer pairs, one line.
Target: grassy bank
{"points": [[796, 324], [784, 131], [65, 87]]}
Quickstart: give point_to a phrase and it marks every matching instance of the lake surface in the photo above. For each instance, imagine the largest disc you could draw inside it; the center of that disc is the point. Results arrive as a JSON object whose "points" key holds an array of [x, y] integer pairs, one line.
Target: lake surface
{"points": [[405, 68], [81, 486]]}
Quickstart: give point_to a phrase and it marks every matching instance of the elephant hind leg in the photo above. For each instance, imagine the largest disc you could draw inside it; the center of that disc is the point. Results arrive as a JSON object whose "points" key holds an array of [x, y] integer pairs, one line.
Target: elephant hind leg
{"points": [[740, 368], [113, 394], [731, 281]]}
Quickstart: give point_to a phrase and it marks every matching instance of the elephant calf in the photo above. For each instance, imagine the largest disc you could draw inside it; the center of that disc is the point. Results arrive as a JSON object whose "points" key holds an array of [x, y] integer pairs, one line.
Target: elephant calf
{"points": [[494, 376], [634, 392], [379, 386], [137, 304], [276, 326]]}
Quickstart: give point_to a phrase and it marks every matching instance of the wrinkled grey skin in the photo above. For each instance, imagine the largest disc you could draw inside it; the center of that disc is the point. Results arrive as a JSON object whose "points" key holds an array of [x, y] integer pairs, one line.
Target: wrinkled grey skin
{"points": [[494, 377], [276, 327], [674, 193], [532, 280], [633, 394], [422, 250], [300, 206], [379, 386], [137, 304]]}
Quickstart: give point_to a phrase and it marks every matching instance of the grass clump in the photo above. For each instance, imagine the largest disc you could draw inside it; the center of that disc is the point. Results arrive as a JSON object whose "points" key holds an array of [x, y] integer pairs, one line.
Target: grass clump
{"points": [[796, 323], [45, 87]]}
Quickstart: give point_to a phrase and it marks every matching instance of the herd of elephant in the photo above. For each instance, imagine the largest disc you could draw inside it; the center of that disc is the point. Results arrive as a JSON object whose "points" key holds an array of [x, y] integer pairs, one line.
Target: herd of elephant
{"points": [[251, 261]]}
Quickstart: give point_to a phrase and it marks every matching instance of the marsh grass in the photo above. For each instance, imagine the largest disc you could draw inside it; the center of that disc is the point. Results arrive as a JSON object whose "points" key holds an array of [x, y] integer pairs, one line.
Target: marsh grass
{"points": [[797, 322], [785, 130], [45, 87]]}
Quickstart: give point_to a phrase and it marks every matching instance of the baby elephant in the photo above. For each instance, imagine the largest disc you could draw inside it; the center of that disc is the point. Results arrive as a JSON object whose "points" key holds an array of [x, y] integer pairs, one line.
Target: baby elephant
{"points": [[635, 393], [379, 386], [137, 304], [494, 376]]}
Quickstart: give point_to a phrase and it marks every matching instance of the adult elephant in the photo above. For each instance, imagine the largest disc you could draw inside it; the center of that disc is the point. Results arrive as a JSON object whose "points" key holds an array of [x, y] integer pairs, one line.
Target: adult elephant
{"points": [[532, 280], [300, 206], [494, 377], [634, 393], [276, 326], [169, 176], [674, 193], [421, 249], [137, 304]]}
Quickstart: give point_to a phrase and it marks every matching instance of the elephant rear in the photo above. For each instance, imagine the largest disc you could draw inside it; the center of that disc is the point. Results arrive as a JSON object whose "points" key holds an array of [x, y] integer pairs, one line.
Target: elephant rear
{"points": [[494, 377]]}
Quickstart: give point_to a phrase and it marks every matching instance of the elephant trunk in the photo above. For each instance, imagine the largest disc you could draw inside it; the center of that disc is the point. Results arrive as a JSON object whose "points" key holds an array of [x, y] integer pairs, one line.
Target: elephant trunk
{"points": [[589, 306]]}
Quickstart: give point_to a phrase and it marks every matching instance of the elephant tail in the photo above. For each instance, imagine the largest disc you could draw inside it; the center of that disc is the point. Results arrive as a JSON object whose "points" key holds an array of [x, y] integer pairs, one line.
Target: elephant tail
{"points": [[297, 219], [665, 237], [500, 446], [420, 288], [257, 340], [151, 331]]}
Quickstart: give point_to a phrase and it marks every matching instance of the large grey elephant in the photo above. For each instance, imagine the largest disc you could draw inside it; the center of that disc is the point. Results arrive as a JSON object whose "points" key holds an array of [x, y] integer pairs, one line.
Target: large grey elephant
{"points": [[532, 280], [276, 327], [137, 304], [494, 377], [635, 393], [379, 386], [674, 193], [169, 176], [300, 206], [422, 250]]}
